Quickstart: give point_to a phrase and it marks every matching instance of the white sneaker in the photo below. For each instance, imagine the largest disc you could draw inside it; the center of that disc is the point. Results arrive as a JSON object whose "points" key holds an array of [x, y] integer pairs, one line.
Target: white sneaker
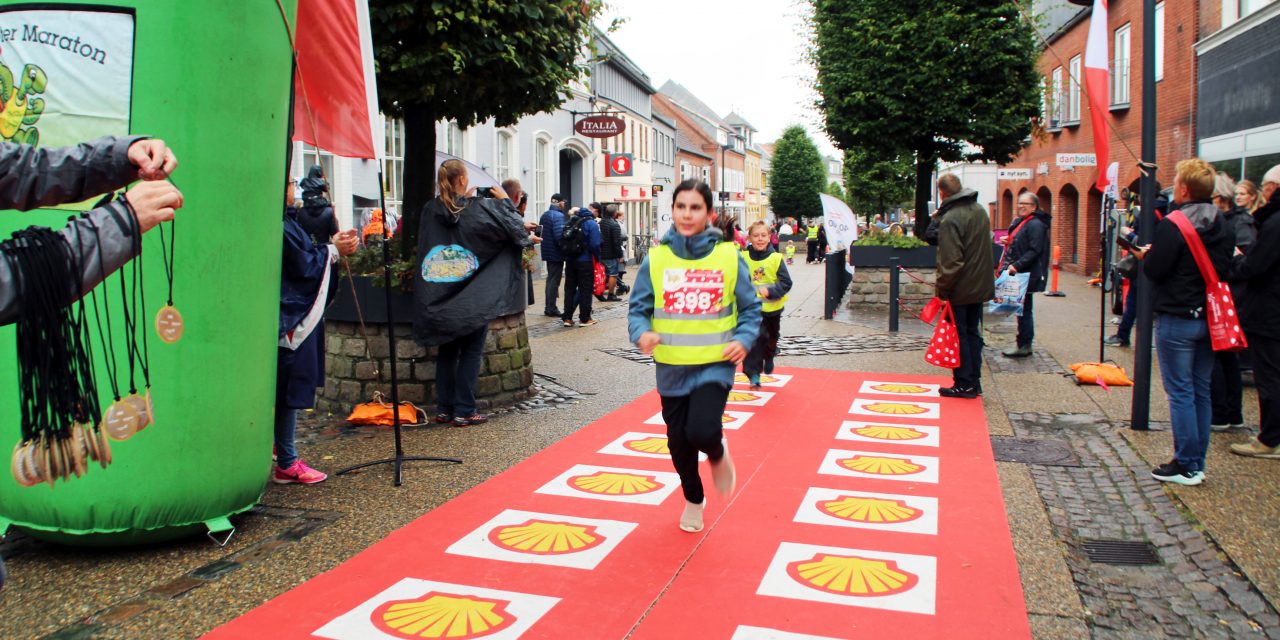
{"points": [[691, 519], [723, 473]]}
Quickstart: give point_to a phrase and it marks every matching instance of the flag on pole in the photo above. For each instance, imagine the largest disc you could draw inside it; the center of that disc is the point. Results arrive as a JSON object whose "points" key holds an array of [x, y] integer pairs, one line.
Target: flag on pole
{"points": [[1096, 81], [335, 94]]}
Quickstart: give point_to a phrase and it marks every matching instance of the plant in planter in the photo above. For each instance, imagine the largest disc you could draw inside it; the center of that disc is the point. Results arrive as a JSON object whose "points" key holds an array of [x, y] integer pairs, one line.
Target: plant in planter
{"points": [[878, 238], [367, 261]]}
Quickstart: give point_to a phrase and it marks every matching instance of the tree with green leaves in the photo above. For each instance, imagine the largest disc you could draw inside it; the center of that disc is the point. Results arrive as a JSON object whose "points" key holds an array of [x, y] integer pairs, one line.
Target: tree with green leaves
{"points": [[797, 176], [834, 189], [951, 80], [469, 61], [875, 183]]}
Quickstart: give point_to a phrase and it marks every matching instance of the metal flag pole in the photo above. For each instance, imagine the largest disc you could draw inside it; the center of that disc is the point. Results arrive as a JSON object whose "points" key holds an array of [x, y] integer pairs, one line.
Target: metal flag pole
{"points": [[1140, 412]]}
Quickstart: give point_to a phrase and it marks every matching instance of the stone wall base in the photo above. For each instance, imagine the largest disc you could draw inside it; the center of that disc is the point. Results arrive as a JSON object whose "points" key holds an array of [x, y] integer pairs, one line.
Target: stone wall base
{"points": [[870, 286]]}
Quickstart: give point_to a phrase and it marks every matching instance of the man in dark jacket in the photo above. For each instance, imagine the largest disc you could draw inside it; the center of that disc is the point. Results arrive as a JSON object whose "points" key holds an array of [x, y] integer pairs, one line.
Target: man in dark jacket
{"points": [[579, 277], [1028, 252], [962, 232], [610, 249], [1260, 269], [1182, 333], [552, 223]]}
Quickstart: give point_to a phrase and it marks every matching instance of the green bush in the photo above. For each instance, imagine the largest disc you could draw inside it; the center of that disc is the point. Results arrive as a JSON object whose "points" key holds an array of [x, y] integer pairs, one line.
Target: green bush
{"points": [[877, 238]]}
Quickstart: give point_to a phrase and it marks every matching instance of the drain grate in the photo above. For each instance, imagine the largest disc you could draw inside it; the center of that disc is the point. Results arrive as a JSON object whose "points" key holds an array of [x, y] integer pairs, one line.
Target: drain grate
{"points": [[1123, 552], [1044, 451]]}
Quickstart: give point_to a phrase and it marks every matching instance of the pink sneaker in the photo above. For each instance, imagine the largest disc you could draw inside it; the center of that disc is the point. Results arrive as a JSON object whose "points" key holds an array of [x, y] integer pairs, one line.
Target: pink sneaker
{"points": [[299, 473]]}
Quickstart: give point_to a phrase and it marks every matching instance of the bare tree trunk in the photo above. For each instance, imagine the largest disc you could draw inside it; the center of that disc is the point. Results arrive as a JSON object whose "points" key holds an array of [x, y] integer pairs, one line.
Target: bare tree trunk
{"points": [[419, 174], [924, 178]]}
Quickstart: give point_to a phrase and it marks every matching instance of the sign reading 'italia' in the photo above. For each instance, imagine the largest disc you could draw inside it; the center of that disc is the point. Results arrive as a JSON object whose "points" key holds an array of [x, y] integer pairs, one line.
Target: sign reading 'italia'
{"points": [[600, 126]]}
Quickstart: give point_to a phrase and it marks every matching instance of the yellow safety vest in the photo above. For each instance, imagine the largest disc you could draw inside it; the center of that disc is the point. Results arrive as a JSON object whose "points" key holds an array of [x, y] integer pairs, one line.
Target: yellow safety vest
{"points": [[813, 232], [694, 310], [764, 273]]}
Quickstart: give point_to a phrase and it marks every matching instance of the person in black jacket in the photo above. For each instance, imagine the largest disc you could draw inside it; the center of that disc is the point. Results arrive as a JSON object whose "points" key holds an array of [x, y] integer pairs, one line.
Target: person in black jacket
{"points": [[1260, 270], [1182, 332], [1028, 253], [610, 250], [1226, 387]]}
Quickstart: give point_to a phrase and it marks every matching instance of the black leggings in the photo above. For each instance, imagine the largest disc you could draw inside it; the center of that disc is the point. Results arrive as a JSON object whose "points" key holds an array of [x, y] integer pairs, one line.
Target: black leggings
{"points": [[693, 425], [765, 347]]}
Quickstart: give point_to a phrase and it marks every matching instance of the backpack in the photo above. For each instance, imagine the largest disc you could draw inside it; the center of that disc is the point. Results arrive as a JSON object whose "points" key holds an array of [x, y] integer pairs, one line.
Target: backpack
{"points": [[572, 242]]}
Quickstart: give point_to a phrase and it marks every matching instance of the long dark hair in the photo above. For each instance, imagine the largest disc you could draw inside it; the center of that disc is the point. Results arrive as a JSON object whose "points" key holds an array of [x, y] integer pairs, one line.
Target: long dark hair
{"points": [[694, 184]]}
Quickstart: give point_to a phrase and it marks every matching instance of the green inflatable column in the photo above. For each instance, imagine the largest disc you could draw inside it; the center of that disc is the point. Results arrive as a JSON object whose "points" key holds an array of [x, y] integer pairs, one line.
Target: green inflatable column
{"points": [[213, 80]]}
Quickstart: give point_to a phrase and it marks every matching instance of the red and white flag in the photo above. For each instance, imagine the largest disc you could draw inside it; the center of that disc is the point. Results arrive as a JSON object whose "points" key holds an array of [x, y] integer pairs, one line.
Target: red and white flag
{"points": [[1096, 82], [335, 94]]}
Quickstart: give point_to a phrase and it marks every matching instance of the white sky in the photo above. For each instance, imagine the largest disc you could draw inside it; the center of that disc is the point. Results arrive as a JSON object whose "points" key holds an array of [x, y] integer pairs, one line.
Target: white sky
{"points": [[738, 56]]}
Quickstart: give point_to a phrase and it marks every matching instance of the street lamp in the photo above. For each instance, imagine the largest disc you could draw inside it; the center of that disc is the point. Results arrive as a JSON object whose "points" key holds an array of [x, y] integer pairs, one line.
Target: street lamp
{"points": [[1140, 411]]}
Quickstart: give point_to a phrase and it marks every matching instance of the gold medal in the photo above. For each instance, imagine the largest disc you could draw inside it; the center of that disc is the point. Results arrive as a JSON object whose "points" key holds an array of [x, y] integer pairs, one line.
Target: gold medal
{"points": [[142, 406], [44, 456], [29, 466], [104, 448], [18, 468], [120, 421], [169, 324]]}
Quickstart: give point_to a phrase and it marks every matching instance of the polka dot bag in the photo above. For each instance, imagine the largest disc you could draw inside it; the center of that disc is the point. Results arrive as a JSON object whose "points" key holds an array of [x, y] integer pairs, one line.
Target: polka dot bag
{"points": [[944, 348], [1224, 325]]}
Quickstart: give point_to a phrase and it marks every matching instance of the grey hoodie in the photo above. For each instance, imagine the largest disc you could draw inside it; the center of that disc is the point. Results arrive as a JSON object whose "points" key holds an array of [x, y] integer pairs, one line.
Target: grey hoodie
{"points": [[32, 177]]}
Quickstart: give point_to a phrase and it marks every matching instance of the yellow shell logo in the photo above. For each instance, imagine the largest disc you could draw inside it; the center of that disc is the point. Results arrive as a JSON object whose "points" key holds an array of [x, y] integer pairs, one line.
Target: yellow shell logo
{"points": [[885, 432], [852, 575], [743, 396], [742, 377], [870, 510], [897, 387], [726, 418], [443, 615], [896, 408], [543, 537], [615, 484], [881, 466], [656, 444]]}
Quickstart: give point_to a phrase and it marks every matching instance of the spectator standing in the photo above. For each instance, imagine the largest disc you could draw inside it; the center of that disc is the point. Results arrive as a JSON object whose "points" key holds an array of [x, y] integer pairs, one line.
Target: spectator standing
{"points": [[1248, 197], [610, 250], [822, 242], [1027, 252], [962, 232], [1182, 332], [785, 229], [552, 223], [1260, 270], [579, 276], [1226, 387], [316, 215], [811, 246]]}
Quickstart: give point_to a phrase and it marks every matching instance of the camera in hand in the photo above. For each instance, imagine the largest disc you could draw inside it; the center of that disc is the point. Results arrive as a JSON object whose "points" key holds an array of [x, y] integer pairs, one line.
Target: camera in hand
{"points": [[484, 192]]}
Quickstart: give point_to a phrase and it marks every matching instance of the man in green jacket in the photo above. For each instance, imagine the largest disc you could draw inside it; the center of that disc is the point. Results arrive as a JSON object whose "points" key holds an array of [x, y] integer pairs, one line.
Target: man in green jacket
{"points": [[965, 276]]}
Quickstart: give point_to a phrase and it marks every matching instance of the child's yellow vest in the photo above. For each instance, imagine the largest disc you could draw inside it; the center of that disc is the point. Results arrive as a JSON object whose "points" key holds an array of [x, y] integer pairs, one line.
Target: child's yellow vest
{"points": [[694, 309]]}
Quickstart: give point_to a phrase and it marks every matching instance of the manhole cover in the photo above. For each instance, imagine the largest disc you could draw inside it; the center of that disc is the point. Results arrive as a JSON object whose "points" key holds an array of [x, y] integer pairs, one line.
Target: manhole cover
{"points": [[1126, 552], [1033, 451]]}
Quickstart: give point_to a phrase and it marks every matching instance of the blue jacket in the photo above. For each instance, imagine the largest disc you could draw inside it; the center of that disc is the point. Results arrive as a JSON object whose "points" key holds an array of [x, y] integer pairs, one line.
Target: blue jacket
{"points": [[591, 231], [552, 223], [681, 380]]}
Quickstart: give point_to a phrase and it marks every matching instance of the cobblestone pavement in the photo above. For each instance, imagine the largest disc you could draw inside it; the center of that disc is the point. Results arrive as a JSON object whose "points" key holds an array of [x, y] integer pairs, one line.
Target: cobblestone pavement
{"points": [[1040, 361], [1193, 591], [815, 346]]}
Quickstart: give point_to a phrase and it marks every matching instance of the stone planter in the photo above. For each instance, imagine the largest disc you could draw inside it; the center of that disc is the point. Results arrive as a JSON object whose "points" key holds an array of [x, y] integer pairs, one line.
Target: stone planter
{"points": [[920, 257], [353, 359], [870, 286], [371, 300]]}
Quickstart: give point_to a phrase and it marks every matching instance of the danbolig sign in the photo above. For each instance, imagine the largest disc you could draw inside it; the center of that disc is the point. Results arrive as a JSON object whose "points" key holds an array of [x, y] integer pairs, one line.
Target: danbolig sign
{"points": [[88, 68]]}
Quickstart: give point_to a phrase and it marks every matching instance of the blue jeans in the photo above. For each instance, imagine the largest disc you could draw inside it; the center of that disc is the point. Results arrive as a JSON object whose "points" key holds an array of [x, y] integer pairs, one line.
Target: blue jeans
{"points": [[1186, 367], [1130, 313], [457, 371], [286, 425]]}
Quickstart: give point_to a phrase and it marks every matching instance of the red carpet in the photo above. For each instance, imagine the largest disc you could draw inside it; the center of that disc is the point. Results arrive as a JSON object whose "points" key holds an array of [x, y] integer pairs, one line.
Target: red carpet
{"points": [[867, 507]]}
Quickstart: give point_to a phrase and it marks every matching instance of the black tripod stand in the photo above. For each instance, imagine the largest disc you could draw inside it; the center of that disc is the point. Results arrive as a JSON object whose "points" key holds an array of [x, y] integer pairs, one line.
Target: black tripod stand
{"points": [[400, 458], [1107, 283]]}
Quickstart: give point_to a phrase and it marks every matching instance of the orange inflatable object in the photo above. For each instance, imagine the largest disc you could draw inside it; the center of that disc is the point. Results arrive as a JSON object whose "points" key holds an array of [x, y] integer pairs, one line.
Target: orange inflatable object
{"points": [[1103, 374]]}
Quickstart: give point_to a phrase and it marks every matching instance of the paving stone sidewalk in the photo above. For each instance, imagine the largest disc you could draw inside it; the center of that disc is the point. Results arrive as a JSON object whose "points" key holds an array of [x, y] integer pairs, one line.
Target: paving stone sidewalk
{"points": [[1192, 591]]}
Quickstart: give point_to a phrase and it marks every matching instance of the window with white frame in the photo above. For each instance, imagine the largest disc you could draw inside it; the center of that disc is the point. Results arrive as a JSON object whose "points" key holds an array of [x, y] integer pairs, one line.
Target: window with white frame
{"points": [[393, 163], [1120, 67], [541, 151], [1045, 101], [1073, 92], [1246, 7], [453, 140], [502, 156], [1058, 98], [1159, 41]]}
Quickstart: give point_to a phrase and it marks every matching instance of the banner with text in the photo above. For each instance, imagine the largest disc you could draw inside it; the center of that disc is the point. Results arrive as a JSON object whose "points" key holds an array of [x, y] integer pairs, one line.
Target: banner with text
{"points": [[1077, 160]]}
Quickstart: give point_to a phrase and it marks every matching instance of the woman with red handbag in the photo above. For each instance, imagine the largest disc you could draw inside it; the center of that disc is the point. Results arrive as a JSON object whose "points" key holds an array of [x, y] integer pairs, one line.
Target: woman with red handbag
{"points": [[1182, 328]]}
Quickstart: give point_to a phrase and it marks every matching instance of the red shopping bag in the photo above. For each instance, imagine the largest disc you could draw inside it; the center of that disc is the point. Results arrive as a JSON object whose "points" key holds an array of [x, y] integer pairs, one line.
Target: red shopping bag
{"points": [[1224, 325], [598, 286], [944, 348]]}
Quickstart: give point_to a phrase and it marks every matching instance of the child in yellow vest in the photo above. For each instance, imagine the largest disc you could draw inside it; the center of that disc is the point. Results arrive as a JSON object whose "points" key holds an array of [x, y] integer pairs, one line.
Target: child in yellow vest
{"points": [[772, 281], [791, 251], [693, 308]]}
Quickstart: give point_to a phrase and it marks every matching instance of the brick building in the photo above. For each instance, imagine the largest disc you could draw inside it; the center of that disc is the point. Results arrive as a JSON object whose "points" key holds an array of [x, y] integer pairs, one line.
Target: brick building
{"points": [[1069, 193], [693, 160]]}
